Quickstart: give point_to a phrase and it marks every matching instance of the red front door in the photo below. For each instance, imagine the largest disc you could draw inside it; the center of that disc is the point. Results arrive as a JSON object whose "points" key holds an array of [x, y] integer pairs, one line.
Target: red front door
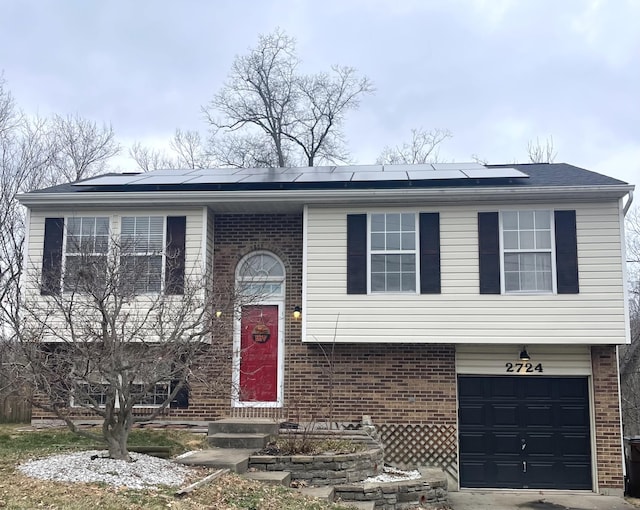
{"points": [[259, 354]]}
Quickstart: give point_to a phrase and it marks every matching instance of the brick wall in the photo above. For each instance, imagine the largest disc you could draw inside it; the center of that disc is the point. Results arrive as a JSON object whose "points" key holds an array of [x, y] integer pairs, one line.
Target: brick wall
{"points": [[607, 417]]}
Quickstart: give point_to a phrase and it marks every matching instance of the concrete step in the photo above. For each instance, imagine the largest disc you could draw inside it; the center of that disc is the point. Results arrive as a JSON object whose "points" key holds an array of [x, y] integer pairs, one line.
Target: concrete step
{"points": [[236, 460], [363, 505], [241, 426], [326, 493], [270, 477], [239, 440]]}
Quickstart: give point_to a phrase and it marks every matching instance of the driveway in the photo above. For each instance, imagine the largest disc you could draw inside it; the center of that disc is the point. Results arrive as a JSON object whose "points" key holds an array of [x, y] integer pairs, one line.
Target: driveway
{"points": [[535, 500]]}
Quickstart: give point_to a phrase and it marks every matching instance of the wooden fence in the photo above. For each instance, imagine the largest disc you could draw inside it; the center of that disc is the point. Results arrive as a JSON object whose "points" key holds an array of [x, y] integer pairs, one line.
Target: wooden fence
{"points": [[14, 409]]}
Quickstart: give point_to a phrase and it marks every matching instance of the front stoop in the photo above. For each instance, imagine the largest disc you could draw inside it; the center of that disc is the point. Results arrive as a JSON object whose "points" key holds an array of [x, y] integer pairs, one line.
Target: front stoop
{"points": [[270, 477], [238, 426], [246, 440], [236, 460], [325, 492], [232, 442], [362, 505]]}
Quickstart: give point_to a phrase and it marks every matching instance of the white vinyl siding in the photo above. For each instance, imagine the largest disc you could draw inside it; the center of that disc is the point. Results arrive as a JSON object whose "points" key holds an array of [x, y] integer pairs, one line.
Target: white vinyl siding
{"points": [[554, 360], [460, 314]]}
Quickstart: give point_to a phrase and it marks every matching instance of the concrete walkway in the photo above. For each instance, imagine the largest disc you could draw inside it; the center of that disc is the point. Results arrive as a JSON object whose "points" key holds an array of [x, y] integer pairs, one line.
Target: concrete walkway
{"points": [[534, 500]]}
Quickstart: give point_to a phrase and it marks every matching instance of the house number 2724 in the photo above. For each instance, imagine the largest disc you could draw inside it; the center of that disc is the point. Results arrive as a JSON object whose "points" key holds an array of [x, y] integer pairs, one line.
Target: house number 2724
{"points": [[520, 368]]}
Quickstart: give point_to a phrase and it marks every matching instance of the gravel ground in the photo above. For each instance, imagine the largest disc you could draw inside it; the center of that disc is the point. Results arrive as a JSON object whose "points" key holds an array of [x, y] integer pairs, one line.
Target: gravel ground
{"points": [[143, 472], [391, 474]]}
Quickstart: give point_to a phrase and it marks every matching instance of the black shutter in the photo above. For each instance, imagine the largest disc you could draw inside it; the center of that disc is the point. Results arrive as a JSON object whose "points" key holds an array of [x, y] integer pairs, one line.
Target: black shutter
{"points": [[174, 271], [566, 252], [429, 253], [489, 252], [52, 257], [181, 400], [356, 254]]}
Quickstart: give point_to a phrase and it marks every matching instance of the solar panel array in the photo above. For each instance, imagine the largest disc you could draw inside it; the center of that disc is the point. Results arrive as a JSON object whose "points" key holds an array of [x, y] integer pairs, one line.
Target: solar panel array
{"points": [[318, 174]]}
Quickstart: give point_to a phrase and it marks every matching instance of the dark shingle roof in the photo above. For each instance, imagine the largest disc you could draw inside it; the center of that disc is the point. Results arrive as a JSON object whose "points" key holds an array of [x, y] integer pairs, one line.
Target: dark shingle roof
{"points": [[539, 175]]}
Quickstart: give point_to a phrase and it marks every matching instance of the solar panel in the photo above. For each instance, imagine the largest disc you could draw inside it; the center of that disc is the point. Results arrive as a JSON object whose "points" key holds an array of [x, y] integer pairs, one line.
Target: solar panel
{"points": [[325, 177], [217, 179], [457, 166], [110, 180], [326, 174], [494, 173], [162, 179], [427, 175], [380, 176], [363, 168]]}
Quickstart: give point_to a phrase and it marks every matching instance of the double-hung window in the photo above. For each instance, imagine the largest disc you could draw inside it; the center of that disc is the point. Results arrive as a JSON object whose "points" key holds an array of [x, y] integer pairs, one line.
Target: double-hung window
{"points": [[393, 250], [527, 251], [86, 246], [142, 244]]}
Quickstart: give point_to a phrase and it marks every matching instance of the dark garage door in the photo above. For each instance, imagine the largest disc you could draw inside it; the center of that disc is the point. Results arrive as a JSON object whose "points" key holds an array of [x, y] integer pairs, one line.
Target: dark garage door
{"points": [[524, 432]]}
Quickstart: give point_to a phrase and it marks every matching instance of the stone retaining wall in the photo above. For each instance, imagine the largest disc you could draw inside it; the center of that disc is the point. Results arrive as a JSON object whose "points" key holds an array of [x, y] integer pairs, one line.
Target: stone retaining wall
{"points": [[430, 491], [323, 469]]}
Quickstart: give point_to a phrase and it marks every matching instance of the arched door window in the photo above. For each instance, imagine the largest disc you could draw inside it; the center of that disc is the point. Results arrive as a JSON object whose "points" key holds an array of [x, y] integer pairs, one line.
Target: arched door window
{"points": [[260, 276]]}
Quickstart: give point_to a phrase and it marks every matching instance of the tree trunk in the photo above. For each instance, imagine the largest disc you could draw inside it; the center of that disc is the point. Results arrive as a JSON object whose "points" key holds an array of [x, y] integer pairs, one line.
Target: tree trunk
{"points": [[117, 436]]}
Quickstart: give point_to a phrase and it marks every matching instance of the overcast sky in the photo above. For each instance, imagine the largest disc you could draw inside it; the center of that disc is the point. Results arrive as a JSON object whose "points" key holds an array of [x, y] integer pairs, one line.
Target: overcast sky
{"points": [[496, 73]]}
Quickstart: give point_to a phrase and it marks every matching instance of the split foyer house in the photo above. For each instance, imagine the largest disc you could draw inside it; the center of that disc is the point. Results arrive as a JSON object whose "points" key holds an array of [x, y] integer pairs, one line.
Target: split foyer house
{"points": [[472, 312]]}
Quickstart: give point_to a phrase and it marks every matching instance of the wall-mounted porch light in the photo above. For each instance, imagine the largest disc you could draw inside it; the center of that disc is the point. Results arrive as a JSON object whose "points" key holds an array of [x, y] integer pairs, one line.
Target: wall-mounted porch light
{"points": [[297, 312], [524, 355]]}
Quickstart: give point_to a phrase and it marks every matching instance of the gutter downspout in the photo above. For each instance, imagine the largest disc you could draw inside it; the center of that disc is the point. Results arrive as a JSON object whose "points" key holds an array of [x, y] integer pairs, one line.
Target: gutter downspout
{"points": [[628, 204]]}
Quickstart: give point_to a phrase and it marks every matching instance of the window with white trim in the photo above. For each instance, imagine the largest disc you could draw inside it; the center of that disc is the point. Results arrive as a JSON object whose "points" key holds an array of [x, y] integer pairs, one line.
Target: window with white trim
{"points": [[527, 250], [142, 240], [85, 252], [261, 275], [90, 394], [95, 394], [155, 397], [393, 251]]}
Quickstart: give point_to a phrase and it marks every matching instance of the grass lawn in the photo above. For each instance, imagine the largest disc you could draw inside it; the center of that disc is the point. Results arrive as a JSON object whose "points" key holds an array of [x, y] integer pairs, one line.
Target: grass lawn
{"points": [[18, 491]]}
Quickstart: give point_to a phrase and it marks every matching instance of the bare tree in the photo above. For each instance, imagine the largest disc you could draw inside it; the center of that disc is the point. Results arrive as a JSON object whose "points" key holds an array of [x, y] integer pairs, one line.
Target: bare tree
{"points": [[299, 115], [103, 340], [422, 148], [324, 99], [82, 147], [190, 150], [541, 152], [25, 158], [149, 159]]}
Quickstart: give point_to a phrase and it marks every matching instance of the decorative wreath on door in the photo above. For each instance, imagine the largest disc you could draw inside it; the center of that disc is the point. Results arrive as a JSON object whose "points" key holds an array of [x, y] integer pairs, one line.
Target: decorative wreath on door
{"points": [[260, 333]]}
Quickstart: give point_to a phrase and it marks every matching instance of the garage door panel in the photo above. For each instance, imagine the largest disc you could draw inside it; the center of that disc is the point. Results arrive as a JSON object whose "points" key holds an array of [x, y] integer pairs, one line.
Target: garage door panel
{"points": [[502, 388], [473, 415], [505, 415], [573, 388], [474, 443], [537, 388], [576, 444], [504, 443], [540, 444], [475, 471], [573, 415], [509, 471], [537, 415], [548, 415]]}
